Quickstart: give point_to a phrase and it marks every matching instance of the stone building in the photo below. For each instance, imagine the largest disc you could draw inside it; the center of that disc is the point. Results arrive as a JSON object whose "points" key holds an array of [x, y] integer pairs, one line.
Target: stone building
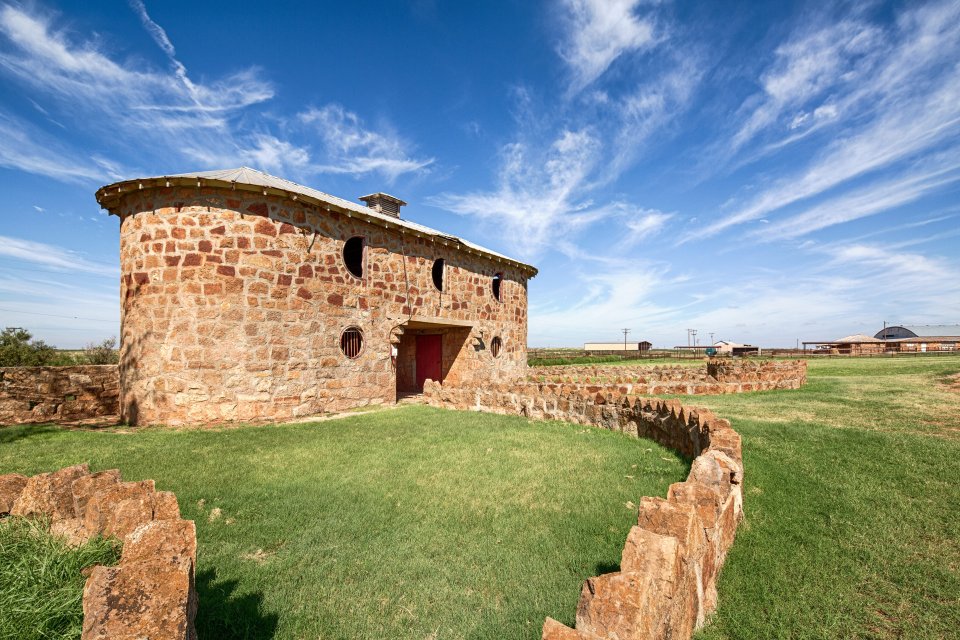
{"points": [[248, 297]]}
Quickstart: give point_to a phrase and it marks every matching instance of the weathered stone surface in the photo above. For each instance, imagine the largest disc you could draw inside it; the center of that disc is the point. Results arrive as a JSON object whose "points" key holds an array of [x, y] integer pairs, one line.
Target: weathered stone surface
{"points": [[49, 494], [553, 630], [231, 315], [137, 601], [120, 508], [72, 530], [172, 540], [85, 486], [11, 486], [165, 506], [77, 394]]}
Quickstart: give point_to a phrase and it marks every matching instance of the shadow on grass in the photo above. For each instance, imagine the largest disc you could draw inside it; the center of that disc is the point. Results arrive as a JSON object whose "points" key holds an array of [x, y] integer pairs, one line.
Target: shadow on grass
{"points": [[606, 567], [10, 434], [225, 615]]}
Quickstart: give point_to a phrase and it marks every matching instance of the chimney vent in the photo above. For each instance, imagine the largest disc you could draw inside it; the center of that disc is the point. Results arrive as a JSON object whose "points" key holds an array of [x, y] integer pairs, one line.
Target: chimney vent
{"points": [[384, 203]]}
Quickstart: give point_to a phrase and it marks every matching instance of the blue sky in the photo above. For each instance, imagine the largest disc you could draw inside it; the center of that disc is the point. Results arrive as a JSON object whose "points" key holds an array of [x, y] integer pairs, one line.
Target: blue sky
{"points": [[761, 172]]}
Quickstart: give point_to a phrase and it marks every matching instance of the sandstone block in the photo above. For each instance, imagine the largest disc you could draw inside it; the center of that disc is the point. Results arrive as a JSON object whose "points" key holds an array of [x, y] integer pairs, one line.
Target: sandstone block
{"points": [[553, 630], [72, 530], [171, 540], [99, 516], [136, 601], [11, 486], [49, 494], [85, 486]]}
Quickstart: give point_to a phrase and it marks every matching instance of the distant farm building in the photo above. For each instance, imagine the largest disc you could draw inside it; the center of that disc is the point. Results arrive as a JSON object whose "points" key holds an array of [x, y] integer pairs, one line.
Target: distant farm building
{"points": [[725, 347], [894, 339], [935, 337], [616, 347]]}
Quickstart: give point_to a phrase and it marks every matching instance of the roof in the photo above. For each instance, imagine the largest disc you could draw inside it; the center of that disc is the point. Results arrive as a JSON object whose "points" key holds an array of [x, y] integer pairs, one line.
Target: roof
{"points": [[253, 180], [933, 330], [856, 338]]}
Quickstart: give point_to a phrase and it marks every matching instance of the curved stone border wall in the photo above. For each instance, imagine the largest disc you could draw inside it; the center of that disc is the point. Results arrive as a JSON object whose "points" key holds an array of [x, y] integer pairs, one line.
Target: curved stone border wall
{"points": [[151, 593], [60, 394], [666, 586], [718, 377]]}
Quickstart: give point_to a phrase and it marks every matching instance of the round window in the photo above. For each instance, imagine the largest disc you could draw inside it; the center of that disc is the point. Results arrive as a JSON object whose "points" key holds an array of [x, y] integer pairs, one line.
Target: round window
{"points": [[495, 346], [497, 286], [353, 256], [351, 342]]}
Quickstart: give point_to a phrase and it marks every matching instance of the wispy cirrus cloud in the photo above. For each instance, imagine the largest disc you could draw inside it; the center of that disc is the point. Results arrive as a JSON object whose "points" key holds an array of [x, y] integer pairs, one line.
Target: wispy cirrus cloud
{"points": [[537, 193], [600, 31], [352, 147], [25, 148], [53, 257], [173, 116], [892, 94]]}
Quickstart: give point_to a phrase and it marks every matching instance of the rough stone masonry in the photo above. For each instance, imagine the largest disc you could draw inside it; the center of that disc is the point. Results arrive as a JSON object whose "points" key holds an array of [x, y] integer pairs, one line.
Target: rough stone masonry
{"points": [[246, 297]]}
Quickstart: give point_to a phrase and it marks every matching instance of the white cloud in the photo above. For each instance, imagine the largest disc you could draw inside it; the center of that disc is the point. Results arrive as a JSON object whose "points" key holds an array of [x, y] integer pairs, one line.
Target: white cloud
{"points": [[875, 198], [53, 257], [353, 148], [25, 148], [600, 31], [537, 193], [170, 116]]}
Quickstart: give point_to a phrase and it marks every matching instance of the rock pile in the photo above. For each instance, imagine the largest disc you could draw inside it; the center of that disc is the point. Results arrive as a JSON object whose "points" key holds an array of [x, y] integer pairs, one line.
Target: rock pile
{"points": [[151, 593]]}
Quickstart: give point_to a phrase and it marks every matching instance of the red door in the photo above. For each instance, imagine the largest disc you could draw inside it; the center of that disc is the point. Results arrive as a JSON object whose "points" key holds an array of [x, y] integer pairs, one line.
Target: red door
{"points": [[429, 354]]}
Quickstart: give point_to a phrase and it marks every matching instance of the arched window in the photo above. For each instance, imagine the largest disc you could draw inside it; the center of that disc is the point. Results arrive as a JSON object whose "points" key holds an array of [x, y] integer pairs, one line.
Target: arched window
{"points": [[438, 273], [495, 346], [351, 342], [496, 284], [353, 255]]}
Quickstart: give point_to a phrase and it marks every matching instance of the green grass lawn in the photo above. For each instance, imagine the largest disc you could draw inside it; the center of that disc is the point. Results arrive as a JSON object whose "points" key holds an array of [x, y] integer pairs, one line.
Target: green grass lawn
{"points": [[852, 503], [41, 584], [406, 523]]}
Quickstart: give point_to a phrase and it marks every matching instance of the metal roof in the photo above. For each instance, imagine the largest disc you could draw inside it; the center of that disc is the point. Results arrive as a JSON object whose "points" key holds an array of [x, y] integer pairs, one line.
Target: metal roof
{"points": [[253, 180], [933, 330]]}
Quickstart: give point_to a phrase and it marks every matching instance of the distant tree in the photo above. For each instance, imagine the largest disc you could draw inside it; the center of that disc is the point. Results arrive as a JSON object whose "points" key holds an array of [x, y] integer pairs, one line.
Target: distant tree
{"points": [[18, 350], [102, 353]]}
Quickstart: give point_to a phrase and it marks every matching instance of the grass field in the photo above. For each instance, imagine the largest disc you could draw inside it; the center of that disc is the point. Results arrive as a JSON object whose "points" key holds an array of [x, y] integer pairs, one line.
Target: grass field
{"points": [[419, 523], [407, 523], [852, 502]]}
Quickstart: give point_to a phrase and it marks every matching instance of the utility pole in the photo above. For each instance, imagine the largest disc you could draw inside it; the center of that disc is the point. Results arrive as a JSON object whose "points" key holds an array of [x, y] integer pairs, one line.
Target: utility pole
{"points": [[711, 338], [625, 332], [694, 332]]}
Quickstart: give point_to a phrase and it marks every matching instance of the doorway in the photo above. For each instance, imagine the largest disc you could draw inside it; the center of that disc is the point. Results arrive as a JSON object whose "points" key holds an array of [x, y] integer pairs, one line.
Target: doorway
{"points": [[429, 359]]}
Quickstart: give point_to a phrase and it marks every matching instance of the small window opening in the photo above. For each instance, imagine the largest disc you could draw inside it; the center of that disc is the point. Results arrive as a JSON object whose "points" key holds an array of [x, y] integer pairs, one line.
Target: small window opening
{"points": [[495, 346], [353, 256], [497, 281], [438, 273], [351, 342]]}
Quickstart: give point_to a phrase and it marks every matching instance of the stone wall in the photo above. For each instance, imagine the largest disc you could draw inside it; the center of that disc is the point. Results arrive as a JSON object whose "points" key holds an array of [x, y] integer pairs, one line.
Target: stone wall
{"points": [[59, 394], [233, 304], [717, 377], [666, 585], [151, 593]]}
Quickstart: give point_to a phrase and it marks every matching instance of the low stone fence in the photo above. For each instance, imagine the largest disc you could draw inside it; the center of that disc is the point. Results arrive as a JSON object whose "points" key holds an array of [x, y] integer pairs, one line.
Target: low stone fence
{"points": [[151, 593], [718, 377], [666, 585], [59, 394]]}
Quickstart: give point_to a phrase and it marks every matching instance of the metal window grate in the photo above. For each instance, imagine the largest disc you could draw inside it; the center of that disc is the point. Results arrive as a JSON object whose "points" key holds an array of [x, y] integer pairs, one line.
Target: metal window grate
{"points": [[495, 345], [351, 342]]}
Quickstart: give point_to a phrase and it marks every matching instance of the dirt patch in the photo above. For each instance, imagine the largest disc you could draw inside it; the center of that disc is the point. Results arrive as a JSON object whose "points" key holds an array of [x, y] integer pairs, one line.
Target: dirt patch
{"points": [[952, 383]]}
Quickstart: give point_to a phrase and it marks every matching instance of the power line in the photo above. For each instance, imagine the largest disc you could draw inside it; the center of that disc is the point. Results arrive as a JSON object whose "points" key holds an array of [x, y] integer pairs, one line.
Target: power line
{"points": [[53, 315]]}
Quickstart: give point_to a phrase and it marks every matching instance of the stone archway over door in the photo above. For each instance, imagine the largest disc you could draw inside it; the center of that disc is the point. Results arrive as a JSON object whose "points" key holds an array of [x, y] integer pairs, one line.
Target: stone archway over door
{"points": [[429, 359]]}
